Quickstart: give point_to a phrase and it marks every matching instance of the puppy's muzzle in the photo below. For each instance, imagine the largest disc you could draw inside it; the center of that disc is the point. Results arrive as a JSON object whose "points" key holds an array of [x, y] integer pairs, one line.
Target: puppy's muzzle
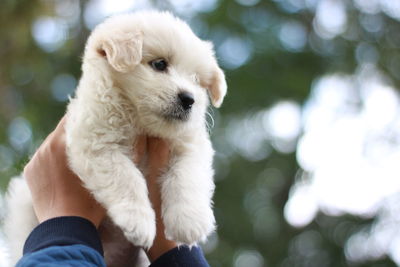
{"points": [[181, 108], [186, 100]]}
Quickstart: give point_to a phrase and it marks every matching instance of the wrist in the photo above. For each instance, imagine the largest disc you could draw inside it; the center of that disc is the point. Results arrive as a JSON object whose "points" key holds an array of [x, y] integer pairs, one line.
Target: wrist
{"points": [[161, 244], [93, 213]]}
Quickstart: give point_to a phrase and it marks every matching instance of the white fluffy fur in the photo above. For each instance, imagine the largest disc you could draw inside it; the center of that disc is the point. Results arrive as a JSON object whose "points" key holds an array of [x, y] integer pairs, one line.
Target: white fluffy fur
{"points": [[20, 217], [119, 97]]}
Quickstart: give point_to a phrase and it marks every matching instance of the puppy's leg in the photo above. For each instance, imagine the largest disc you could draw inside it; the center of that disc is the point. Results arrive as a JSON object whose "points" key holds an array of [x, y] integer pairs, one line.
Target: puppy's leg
{"points": [[20, 217], [120, 187], [187, 190]]}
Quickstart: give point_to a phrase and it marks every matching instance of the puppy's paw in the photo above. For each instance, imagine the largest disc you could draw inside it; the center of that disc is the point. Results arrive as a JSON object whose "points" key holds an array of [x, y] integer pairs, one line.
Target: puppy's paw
{"points": [[188, 224], [137, 224]]}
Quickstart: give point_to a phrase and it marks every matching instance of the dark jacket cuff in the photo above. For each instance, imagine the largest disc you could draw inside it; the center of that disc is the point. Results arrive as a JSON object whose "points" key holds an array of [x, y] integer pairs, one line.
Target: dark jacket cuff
{"points": [[63, 231], [182, 256]]}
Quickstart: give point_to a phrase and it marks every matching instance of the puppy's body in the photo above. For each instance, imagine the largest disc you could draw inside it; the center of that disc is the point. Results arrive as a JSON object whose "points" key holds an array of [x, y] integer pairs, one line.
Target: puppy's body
{"points": [[124, 92]]}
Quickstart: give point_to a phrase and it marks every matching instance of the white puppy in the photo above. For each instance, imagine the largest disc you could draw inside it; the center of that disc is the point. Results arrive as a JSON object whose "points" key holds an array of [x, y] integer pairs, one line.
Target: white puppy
{"points": [[143, 73]]}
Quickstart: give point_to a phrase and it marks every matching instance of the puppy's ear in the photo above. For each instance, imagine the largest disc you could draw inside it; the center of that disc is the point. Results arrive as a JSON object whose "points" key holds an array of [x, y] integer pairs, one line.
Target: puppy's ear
{"points": [[123, 50], [217, 87]]}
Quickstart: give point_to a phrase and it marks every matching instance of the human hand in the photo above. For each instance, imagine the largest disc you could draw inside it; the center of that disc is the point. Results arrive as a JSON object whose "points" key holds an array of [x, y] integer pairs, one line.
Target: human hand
{"points": [[56, 190], [154, 154]]}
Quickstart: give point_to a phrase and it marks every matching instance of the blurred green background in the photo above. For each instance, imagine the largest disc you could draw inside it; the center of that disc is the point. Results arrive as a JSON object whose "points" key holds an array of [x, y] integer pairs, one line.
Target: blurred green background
{"points": [[307, 140]]}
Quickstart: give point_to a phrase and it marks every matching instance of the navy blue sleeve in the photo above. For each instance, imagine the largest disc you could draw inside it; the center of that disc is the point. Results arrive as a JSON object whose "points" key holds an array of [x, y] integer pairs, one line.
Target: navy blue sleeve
{"points": [[182, 256], [74, 242], [63, 241]]}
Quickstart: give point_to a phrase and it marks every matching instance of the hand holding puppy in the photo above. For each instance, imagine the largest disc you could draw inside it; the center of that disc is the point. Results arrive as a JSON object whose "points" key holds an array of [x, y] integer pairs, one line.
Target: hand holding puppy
{"points": [[157, 153], [57, 191]]}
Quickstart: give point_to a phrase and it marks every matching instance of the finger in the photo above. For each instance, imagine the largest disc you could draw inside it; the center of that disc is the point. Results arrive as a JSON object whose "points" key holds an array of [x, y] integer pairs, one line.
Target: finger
{"points": [[60, 128], [57, 140], [59, 131], [139, 149], [56, 134], [52, 149], [62, 122], [157, 145], [158, 152]]}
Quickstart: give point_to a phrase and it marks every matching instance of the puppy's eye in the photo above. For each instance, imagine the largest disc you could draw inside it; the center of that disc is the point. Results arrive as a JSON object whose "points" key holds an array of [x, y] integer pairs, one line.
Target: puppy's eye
{"points": [[159, 64]]}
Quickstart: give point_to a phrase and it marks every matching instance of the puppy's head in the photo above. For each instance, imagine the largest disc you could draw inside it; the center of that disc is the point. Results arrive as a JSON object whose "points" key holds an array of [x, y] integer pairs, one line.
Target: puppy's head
{"points": [[161, 66]]}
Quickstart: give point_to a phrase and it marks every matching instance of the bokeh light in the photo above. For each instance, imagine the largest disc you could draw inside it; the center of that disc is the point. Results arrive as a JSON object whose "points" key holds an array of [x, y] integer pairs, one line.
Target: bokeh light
{"points": [[97, 10], [20, 134], [352, 168], [50, 33], [370, 7], [391, 8], [6, 158], [63, 86], [293, 36], [190, 8], [235, 51], [246, 258], [330, 19], [283, 120], [248, 2]]}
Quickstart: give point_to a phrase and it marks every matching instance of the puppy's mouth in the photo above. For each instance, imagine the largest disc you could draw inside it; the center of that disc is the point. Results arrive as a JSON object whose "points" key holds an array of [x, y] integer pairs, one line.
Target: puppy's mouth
{"points": [[176, 113]]}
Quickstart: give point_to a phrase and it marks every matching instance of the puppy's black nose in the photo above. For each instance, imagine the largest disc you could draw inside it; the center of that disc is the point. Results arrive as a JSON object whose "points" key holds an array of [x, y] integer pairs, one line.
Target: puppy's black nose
{"points": [[186, 100]]}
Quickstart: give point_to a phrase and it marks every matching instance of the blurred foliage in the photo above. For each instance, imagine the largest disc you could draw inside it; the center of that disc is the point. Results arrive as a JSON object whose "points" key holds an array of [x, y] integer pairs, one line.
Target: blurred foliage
{"points": [[272, 73]]}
